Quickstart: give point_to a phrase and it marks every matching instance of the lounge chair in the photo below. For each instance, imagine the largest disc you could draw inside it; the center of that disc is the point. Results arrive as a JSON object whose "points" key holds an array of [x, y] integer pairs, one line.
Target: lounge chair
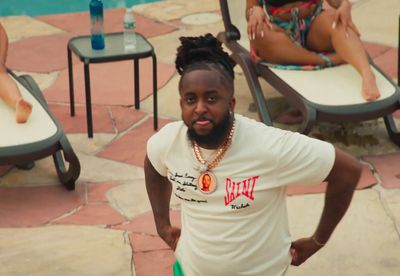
{"points": [[331, 94], [40, 137]]}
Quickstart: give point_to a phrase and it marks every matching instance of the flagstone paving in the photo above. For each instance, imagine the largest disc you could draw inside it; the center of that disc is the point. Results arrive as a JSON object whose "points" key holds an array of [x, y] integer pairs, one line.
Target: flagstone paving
{"points": [[111, 83], [105, 226], [387, 168], [109, 119], [41, 54], [113, 22], [137, 136]]}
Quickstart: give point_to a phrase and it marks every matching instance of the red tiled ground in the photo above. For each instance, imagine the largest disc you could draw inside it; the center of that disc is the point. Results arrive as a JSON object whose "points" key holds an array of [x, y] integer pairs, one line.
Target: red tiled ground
{"points": [[111, 83], [136, 138], [151, 255], [102, 122], [93, 214], [5, 169], [144, 223], [387, 167], [367, 179], [375, 50], [33, 54], [97, 193], [387, 62], [33, 206], [143, 243], [125, 117], [154, 263], [39, 54], [78, 23], [103, 118]]}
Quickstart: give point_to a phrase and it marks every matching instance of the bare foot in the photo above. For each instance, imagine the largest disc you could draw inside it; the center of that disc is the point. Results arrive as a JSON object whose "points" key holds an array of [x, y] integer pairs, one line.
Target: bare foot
{"points": [[369, 90], [22, 111]]}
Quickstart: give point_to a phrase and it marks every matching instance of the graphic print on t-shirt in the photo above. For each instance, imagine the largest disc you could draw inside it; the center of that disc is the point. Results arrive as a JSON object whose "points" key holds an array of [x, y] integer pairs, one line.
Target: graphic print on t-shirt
{"points": [[235, 189], [183, 182], [186, 189]]}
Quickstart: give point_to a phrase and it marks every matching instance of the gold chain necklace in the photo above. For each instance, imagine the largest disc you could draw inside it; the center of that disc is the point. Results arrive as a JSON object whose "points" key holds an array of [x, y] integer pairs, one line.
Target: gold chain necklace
{"points": [[206, 182]]}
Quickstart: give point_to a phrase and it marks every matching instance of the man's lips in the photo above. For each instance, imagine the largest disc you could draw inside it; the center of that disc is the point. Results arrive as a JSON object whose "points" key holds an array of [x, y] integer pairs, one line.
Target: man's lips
{"points": [[202, 122]]}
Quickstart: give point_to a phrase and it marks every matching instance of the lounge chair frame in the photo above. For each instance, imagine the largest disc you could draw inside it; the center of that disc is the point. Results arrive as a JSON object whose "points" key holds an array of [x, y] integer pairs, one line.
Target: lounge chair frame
{"points": [[311, 112], [57, 145]]}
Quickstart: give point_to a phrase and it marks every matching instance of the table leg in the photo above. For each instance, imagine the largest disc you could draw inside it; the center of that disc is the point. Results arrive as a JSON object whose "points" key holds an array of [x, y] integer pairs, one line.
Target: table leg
{"points": [[71, 83], [155, 111], [88, 100], [137, 92]]}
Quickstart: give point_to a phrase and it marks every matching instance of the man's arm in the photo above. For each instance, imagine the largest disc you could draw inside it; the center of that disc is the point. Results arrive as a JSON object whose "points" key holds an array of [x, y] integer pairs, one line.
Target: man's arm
{"points": [[159, 191], [342, 181]]}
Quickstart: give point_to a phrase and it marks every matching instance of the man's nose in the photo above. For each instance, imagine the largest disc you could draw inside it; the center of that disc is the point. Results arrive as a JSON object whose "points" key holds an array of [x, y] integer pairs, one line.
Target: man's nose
{"points": [[201, 107]]}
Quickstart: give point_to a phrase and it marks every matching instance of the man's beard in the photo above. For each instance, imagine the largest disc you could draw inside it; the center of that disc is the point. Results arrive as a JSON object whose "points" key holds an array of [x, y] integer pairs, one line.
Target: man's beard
{"points": [[217, 134]]}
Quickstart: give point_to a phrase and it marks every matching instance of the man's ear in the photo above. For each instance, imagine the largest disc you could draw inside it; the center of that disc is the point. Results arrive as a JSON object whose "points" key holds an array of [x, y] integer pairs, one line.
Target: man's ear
{"points": [[180, 101], [232, 104]]}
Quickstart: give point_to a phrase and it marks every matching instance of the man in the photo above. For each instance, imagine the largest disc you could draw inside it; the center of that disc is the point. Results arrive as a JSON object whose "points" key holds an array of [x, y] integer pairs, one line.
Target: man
{"points": [[9, 92], [206, 183], [240, 228]]}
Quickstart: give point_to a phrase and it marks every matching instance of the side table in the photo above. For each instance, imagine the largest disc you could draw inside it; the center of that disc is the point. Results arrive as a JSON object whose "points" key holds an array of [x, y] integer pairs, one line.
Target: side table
{"points": [[113, 51]]}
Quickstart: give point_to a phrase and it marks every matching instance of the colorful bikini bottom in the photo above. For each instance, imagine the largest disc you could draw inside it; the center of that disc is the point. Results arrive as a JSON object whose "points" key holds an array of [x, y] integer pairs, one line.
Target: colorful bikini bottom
{"points": [[297, 29]]}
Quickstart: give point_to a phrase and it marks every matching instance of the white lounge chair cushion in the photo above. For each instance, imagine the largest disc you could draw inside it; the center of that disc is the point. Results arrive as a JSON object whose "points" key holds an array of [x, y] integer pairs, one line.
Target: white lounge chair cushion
{"points": [[335, 86], [339, 85], [39, 126]]}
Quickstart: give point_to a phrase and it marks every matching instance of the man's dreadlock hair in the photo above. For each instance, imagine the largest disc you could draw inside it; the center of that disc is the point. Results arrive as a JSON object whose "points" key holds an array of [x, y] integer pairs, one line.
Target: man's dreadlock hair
{"points": [[196, 52]]}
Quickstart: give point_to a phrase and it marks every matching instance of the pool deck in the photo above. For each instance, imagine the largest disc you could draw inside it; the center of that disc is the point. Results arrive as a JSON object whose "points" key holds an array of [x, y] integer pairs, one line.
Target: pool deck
{"points": [[105, 226]]}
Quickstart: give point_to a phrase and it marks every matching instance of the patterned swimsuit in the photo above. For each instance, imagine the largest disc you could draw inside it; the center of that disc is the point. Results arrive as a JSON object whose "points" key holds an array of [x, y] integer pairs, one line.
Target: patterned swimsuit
{"points": [[296, 28]]}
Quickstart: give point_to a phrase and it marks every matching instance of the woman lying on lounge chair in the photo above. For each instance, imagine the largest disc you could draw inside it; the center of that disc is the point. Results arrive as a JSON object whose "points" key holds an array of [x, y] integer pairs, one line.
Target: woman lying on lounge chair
{"points": [[300, 32], [9, 92]]}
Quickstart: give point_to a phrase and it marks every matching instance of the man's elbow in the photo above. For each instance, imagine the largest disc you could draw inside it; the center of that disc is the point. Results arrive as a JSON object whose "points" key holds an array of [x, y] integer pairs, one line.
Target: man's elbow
{"points": [[346, 171], [355, 173]]}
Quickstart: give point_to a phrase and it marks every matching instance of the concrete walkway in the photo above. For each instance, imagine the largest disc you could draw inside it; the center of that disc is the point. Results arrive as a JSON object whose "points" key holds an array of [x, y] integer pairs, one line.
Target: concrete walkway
{"points": [[105, 226]]}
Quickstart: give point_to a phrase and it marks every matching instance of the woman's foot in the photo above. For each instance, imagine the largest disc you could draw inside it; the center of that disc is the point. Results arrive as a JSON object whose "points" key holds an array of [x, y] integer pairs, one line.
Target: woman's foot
{"points": [[369, 89], [22, 111]]}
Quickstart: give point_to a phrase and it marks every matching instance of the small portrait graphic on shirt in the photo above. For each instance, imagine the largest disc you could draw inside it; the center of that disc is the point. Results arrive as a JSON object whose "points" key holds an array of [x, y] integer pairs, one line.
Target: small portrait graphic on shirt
{"points": [[206, 183]]}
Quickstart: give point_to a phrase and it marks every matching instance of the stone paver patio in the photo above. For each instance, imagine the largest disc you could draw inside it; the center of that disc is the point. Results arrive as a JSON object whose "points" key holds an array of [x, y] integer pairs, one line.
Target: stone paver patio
{"points": [[105, 226]]}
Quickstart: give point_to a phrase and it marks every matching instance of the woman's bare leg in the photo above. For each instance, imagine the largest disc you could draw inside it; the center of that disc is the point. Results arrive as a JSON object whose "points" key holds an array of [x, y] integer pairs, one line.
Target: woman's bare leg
{"points": [[277, 47], [10, 94], [9, 91], [322, 37]]}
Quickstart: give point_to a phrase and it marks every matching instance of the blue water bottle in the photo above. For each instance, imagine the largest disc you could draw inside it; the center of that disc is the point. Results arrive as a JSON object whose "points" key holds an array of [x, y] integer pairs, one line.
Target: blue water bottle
{"points": [[96, 24]]}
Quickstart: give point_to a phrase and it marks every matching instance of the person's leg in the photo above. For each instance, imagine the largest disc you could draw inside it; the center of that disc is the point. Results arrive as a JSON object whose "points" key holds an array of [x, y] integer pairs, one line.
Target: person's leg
{"points": [[9, 91], [277, 47], [322, 37], [10, 94]]}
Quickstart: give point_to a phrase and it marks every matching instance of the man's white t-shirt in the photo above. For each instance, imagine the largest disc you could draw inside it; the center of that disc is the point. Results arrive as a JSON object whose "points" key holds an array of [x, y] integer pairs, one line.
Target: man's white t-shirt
{"points": [[242, 227]]}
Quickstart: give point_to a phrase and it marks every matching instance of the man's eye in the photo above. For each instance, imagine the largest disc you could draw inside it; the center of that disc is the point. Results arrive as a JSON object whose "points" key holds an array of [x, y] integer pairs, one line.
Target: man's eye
{"points": [[190, 100], [211, 99]]}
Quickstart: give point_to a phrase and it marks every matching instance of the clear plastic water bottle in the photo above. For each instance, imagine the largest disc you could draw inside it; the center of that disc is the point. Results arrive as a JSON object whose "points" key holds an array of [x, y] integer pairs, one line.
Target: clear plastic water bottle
{"points": [[129, 31], [96, 24]]}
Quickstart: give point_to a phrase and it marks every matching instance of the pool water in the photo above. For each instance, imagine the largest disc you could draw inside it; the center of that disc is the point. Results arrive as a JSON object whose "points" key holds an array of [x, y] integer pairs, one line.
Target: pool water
{"points": [[43, 7]]}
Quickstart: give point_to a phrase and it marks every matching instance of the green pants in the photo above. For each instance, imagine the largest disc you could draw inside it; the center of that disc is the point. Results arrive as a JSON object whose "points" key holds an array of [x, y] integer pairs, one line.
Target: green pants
{"points": [[178, 269]]}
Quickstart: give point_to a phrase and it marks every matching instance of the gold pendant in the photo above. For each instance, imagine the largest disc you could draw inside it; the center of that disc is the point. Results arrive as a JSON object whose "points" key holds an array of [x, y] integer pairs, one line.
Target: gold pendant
{"points": [[206, 182]]}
